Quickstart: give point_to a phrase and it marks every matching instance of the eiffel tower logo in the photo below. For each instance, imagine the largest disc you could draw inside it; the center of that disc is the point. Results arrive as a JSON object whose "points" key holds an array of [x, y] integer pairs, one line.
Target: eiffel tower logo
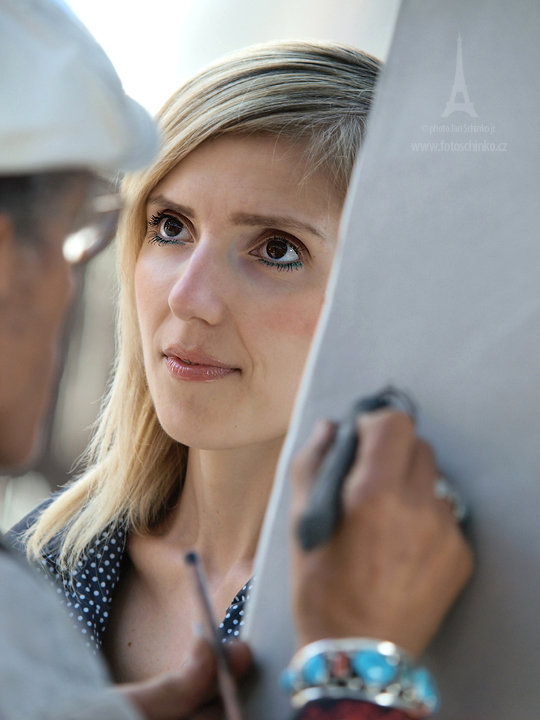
{"points": [[459, 87]]}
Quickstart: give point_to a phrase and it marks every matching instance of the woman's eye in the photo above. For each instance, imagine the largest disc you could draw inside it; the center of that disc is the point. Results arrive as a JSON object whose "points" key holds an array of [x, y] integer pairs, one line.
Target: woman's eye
{"points": [[168, 229], [280, 253]]}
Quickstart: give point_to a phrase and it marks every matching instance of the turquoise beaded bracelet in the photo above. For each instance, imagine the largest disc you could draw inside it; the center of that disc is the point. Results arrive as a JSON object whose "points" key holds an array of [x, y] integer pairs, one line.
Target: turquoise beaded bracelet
{"points": [[363, 669]]}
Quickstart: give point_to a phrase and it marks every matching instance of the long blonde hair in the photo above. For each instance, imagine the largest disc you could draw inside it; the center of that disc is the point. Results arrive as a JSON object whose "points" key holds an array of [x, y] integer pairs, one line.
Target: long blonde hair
{"points": [[314, 93]]}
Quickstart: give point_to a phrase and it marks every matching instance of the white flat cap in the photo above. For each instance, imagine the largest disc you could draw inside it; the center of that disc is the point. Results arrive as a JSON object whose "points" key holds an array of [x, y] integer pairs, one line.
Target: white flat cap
{"points": [[62, 104]]}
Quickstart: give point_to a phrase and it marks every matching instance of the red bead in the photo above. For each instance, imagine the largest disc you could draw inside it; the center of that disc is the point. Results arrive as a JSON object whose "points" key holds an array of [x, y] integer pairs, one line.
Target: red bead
{"points": [[341, 667]]}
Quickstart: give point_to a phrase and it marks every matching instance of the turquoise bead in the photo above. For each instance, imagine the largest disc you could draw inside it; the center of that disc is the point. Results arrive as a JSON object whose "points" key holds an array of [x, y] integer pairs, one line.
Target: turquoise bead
{"points": [[315, 670], [288, 680], [373, 667], [425, 688]]}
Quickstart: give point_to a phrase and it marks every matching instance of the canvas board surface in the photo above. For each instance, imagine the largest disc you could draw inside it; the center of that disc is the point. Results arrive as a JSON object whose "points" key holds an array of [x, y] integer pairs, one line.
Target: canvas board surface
{"points": [[436, 289]]}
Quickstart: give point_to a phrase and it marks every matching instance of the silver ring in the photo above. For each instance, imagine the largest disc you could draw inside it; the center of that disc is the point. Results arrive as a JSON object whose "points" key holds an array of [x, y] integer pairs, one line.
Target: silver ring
{"points": [[443, 490]]}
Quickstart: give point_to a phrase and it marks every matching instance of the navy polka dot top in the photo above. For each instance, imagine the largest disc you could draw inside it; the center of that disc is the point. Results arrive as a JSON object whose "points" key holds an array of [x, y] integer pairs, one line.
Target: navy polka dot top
{"points": [[86, 594]]}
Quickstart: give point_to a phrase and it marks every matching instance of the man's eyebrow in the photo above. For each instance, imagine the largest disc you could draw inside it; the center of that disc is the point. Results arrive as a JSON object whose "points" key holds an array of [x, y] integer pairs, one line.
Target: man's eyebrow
{"points": [[277, 221], [180, 209]]}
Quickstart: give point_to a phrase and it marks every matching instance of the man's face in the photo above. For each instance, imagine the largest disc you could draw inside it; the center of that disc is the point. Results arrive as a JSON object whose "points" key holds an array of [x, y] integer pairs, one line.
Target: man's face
{"points": [[35, 289]]}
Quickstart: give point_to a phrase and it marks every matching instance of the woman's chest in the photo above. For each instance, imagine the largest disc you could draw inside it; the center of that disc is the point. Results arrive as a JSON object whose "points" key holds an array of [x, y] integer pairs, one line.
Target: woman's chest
{"points": [[154, 613], [150, 630]]}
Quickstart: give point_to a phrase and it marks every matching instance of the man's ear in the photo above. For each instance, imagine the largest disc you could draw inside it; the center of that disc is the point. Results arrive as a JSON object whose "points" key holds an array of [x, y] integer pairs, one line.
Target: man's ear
{"points": [[7, 253]]}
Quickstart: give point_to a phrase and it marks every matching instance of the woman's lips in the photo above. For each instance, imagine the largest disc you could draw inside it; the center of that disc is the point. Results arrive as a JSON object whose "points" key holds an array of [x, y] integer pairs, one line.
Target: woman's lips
{"points": [[197, 371]]}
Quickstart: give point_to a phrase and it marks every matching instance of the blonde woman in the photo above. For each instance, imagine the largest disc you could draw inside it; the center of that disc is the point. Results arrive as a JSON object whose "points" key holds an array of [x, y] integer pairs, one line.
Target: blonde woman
{"points": [[224, 252]]}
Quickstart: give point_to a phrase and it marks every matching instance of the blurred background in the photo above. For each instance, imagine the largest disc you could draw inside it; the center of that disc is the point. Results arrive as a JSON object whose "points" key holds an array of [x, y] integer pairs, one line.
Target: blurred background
{"points": [[155, 46]]}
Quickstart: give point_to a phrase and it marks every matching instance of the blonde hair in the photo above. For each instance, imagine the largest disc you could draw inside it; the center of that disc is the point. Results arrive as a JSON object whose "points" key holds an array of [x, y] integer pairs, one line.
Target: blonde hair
{"points": [[314, 93]]}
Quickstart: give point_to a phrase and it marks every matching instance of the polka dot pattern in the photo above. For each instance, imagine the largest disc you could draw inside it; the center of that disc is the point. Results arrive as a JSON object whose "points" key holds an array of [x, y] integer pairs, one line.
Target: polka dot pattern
{"points": [[86, 594], [234, 617]]}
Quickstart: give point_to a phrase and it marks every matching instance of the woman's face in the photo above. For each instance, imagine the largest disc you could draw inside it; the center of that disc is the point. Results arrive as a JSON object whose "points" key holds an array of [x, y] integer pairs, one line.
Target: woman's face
{"points": [[229, 285]]}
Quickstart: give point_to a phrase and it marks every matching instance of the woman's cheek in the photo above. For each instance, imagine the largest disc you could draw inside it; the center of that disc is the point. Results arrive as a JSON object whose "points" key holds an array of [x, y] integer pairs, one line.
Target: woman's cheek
{"points": [[153, 283], [289, 318]]}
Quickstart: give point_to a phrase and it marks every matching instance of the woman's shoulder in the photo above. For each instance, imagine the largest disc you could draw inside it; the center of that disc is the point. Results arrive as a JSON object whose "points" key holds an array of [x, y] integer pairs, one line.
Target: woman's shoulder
{"points": [[85, 590]]}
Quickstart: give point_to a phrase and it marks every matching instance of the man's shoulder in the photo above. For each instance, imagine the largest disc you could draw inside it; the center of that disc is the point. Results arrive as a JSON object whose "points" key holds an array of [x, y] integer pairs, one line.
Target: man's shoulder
{"points": [[14, 537], [46, 672], [24, 593]]}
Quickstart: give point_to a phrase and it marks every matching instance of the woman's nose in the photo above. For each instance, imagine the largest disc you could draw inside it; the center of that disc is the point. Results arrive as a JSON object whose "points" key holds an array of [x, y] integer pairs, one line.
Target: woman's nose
{"points": [[201, 289]]}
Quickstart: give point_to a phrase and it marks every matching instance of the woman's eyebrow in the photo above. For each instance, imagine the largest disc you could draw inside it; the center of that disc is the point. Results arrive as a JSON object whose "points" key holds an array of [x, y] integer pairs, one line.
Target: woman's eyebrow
{"points": [[180, 209], [272, 221], [276, 221]]}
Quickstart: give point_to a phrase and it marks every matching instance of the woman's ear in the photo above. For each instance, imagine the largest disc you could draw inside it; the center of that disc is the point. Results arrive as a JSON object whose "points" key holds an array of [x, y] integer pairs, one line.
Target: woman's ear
{"points": [[7, 248]]}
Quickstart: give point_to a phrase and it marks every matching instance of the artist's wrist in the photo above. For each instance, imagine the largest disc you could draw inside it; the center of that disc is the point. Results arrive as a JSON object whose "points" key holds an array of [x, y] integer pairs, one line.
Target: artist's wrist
{"points": [[353, 627], [364, 669], [412, 637]]}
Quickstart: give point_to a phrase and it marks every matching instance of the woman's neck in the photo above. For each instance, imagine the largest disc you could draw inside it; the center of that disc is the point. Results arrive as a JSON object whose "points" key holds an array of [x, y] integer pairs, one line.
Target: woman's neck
{"points": [[222, 504]]}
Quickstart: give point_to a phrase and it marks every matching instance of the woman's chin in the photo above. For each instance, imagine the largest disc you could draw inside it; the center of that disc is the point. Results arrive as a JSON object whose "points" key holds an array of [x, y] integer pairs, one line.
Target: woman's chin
{"points": [[213, 435], [202, 436]]}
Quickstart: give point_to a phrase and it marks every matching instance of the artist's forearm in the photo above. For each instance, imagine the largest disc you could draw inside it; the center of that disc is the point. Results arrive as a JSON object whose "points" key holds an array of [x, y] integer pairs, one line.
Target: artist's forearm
{"points": [[348, 710]]}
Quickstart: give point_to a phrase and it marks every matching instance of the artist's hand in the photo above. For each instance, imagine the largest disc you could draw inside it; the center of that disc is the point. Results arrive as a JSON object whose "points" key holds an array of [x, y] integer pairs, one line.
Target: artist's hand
{"points": [[192, 692], [398, 559]]}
